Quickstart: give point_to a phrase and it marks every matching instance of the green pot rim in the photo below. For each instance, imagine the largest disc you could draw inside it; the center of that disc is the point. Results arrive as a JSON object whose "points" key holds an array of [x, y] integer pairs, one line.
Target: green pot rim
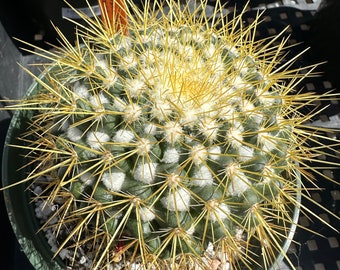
{"points": [[32, 241]]}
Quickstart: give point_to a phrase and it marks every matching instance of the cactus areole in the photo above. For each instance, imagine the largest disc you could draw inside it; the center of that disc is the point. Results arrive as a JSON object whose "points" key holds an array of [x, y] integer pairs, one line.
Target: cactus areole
{"points": [[173, 145]]}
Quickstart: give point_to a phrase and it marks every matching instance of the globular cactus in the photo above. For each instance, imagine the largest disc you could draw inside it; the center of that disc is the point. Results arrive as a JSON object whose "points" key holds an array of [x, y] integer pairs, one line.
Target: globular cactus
{"points": [[178, 144]]}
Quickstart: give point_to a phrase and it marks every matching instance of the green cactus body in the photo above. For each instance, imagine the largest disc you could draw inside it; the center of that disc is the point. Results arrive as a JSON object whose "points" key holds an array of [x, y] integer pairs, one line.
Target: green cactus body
{"points": [[171, 139]]}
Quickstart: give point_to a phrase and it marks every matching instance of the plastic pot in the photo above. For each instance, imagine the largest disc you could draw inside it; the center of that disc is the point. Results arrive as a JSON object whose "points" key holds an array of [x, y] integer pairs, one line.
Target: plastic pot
{"points": [[20, 211]]}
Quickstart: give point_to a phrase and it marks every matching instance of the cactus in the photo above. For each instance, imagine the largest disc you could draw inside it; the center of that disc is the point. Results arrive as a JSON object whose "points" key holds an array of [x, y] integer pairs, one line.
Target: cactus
{"points": [[178, 144]]}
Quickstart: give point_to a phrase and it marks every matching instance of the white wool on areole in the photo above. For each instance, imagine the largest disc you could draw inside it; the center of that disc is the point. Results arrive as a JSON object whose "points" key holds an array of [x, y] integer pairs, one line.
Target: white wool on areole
{"points": [[178, 200], [145, 172], [113, 181], [97, 139]]}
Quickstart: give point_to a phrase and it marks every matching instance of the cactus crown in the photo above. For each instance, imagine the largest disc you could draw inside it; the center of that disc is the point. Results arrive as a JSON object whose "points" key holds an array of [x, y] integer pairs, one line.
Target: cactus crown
{"points": [[175, 146]]}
